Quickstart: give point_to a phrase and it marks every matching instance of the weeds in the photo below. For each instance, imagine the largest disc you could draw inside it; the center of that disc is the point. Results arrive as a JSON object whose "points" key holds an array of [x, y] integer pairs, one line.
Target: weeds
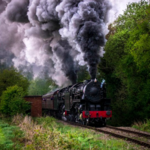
{"points": [[143, 126], [48, 134], [10, 137]]}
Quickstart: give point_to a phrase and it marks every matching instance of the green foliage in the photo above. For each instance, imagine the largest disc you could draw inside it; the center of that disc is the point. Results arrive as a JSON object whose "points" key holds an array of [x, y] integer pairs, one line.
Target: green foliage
{"points": [[133, 13], [12, 101], [10, 137], [10, 77], [47, 121], [126, 65], [49, 134], [143, 126], [56, 135], [40, 86]]}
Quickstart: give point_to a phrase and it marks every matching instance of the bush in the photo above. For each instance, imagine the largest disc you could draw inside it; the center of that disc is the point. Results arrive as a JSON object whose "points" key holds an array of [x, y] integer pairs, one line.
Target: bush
{"points": [[12, 101]]}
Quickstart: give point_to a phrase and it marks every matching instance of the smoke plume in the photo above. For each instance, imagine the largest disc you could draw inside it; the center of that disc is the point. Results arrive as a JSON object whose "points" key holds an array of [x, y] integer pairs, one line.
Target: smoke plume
{"points": [[83, 22], [68, 65], [16, 11], [54, 37]]}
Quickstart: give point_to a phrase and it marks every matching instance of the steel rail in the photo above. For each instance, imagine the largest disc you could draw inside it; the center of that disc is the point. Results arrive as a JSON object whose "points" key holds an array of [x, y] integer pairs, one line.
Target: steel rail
{"points": [[113, 134], [129, 131]]}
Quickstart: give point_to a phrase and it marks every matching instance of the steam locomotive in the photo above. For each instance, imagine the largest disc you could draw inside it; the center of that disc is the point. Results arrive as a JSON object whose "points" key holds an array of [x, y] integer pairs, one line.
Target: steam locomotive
{"points": [[84, 102]]}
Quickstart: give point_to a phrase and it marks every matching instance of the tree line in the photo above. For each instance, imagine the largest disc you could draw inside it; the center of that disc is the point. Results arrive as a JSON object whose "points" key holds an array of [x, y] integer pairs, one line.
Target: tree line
{"points": [[126, 64], [14, 86]]}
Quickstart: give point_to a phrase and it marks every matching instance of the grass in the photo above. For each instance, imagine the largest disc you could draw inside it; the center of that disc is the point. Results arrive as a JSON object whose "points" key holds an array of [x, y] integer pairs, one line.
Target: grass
{"points": [[10, 137], [143, 126], [26, 133], [49, 134]]}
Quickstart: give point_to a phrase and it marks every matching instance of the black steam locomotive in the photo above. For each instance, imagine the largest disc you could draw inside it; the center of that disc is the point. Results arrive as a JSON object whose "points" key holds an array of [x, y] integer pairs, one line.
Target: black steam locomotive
{"points": [[83, 102]]}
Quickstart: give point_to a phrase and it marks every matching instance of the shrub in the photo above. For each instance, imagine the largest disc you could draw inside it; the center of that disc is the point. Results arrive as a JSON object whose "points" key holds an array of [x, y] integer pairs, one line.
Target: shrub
{"points": [[12, 101]]}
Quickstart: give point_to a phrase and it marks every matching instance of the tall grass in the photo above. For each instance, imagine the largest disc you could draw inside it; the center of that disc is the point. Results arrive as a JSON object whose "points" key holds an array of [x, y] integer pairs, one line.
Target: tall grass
{"points": [[143, 126], [11, 137], [48, 134]]}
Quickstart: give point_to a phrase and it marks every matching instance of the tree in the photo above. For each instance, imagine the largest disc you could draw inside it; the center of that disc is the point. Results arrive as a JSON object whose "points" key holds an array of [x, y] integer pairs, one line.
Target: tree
{"points": [[40, 86], [12, 101], [125, 65], [133, 13], [10, 77]]}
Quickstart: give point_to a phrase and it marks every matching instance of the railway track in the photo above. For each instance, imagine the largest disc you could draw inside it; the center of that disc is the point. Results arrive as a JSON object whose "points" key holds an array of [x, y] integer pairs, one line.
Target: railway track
{"points": [[127, 138], [129, 131]]}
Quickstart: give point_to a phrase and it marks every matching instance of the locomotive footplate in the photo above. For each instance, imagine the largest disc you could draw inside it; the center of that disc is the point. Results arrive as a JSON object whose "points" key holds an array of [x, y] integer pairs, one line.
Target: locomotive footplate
{"points": [[96, 114]]}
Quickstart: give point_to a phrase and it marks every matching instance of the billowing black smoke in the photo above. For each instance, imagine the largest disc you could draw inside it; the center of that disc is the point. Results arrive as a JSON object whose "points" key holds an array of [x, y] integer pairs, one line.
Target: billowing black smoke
{"points": [[68, 67], [85, 20], [71, 29], [90, 39]]}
